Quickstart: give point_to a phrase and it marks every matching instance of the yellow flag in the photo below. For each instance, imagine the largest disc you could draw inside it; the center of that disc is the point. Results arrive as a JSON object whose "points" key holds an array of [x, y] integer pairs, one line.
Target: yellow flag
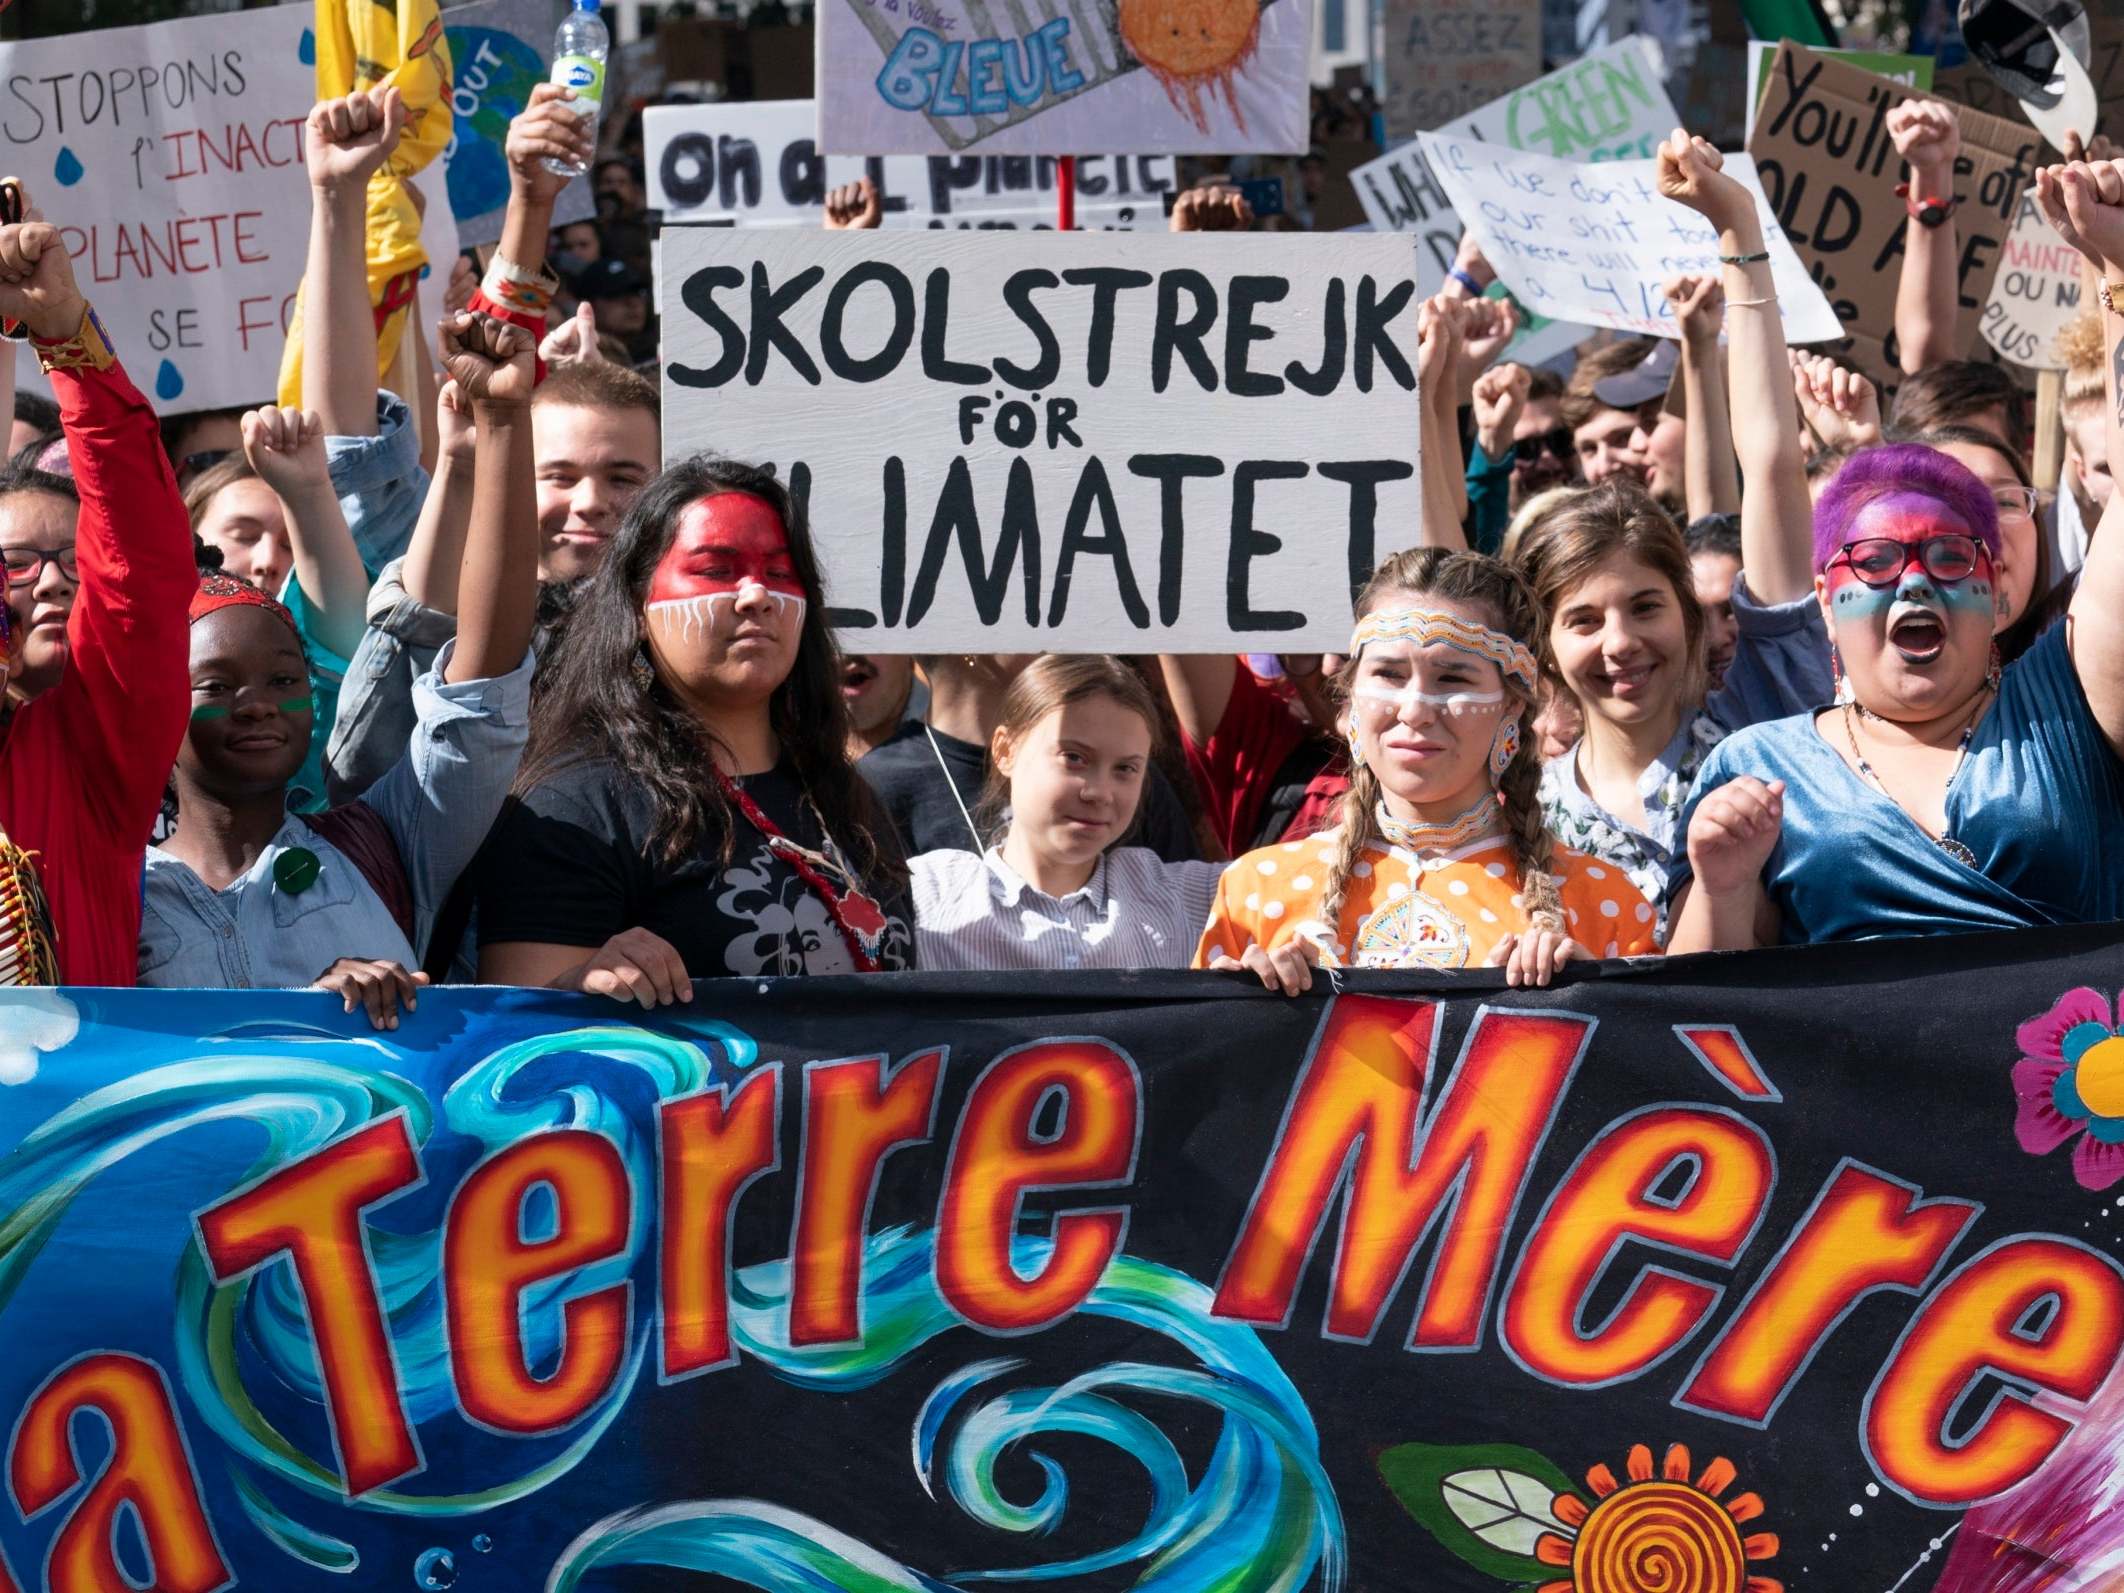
{"points": [[362, 44]]}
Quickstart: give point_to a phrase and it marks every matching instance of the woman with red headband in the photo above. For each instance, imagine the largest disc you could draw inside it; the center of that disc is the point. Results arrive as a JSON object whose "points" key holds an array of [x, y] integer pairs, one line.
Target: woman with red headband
{"points": [[687, 808], [245, 894]]}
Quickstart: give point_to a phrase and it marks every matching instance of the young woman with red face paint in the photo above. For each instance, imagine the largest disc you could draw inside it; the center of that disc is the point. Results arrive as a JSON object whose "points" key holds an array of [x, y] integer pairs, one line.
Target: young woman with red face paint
{"points": [[686, 807], [1942, 793]]}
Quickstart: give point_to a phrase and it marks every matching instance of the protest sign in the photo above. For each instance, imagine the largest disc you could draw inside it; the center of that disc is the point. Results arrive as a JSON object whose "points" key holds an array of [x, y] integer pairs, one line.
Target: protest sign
{"points": [[1687, 1280], [1592, 244], [1610, 105], [1444, 58], [1049, 77], [1912, 71], [757, 164], [1821, 143], [1058, 441], [2036, 293], [499, 49], [170, 157]]}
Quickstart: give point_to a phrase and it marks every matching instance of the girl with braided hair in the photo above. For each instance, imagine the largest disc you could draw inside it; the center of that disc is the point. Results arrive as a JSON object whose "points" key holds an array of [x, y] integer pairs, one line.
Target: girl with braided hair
{"points": [[1442, 858]]}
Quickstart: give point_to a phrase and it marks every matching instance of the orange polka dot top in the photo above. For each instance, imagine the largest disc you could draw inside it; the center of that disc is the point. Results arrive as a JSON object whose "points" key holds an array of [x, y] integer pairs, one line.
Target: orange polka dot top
{"points": [[1401, 910]]}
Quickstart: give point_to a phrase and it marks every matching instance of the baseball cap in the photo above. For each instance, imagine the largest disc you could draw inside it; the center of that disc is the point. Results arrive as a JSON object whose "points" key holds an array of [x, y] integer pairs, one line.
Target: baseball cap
{"points": [[606, 279], [1648, 379], [2038, 51]]}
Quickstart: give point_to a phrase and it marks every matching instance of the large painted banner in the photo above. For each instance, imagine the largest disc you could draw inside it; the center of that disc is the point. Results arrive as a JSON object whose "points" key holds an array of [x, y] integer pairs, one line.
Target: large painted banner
{"points": [[499, 50], [1790, 1271], [1063, 442], [1063, 77]]}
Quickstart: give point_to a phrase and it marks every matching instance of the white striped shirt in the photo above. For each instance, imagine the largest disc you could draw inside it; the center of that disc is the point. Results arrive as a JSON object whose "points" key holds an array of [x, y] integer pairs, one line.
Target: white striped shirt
{"points": [[1136, 911]]}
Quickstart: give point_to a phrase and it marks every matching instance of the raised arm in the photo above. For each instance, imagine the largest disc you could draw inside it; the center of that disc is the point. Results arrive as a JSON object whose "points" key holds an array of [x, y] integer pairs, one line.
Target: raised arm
{"points": [[517, 287], [493, 363], [1710, 475], [433, 557], [286, 448], [1439, 341], [345, 141], [2085, 203], [1777, 516], [1928, 294]]}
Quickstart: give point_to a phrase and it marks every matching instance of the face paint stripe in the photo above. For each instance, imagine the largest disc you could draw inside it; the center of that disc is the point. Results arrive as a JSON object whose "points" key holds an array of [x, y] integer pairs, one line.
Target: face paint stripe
{"points": [[205, 711]]}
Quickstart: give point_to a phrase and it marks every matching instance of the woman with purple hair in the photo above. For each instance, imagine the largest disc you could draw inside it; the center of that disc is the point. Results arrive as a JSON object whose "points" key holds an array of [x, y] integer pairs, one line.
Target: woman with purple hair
{"points": [[1940, 793]]}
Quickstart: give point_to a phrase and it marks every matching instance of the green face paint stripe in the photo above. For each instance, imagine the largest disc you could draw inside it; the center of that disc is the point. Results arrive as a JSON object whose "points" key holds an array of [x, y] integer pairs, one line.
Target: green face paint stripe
{"points": [[299, 705], [212, 710]]}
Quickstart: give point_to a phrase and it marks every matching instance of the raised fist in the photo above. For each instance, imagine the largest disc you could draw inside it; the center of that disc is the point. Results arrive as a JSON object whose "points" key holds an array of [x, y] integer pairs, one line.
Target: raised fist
{"points": [[346, 140], [37, 281], [492, 361]]}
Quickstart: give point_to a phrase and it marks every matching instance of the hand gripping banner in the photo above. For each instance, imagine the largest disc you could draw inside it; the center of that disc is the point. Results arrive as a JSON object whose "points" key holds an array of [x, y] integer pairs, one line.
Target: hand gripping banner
{"points": [[1789, 1270]]}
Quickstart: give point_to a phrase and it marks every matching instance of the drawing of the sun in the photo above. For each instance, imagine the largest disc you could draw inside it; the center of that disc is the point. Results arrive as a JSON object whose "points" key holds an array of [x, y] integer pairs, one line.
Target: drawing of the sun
{"points": [[1662, 1531], [1192, 45]]}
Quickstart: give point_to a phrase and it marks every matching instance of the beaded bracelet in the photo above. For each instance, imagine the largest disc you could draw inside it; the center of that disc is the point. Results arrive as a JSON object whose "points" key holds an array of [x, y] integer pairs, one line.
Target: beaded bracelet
{"points": [[89, 348]]}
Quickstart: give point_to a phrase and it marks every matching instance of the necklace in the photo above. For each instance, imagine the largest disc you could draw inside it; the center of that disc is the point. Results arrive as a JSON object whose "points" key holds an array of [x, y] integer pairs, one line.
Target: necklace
{"points": [[1945, 841], [1422, 836], [952, 785], [860, 920]]}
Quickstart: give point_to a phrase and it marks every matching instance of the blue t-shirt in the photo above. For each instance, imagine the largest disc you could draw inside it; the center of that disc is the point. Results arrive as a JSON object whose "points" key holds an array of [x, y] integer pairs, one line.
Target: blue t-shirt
{"points": [[2039, 801]]}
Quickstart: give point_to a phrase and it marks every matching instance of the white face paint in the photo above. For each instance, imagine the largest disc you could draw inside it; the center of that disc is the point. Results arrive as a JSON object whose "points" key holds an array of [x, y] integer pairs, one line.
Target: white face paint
{"points": [[695, 617], [1408, 694]]}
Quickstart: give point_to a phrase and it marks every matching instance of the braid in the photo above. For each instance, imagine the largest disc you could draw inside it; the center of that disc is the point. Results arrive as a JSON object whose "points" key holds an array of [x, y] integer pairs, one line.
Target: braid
{"points": [[1356, 830], [1533, 847]]}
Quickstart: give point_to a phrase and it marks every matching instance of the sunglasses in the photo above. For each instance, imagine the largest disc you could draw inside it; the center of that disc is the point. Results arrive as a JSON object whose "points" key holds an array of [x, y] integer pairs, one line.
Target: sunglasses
{"points": [[1881, 561], [1528, 450]]}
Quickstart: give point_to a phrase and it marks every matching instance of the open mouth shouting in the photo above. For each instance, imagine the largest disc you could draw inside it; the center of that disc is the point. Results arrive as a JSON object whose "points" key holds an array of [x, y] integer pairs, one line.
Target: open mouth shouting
{"points": [[856, 676], [1918, 635]]}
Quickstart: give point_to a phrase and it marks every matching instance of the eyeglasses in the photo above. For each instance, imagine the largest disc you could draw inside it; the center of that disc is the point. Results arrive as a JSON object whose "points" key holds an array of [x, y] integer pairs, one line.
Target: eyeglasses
{"points": [[1528, 450], [1881, 561], [2017, 503], [25, 565]]}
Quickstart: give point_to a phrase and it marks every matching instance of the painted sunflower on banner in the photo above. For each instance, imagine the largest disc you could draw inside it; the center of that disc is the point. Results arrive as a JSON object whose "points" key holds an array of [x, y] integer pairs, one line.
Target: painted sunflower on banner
{"points": [[2069, 1084], [1516, 1515]]}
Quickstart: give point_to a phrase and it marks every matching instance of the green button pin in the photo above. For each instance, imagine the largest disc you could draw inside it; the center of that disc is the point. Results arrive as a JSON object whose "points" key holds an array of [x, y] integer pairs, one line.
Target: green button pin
{"points": [[295, 870]]}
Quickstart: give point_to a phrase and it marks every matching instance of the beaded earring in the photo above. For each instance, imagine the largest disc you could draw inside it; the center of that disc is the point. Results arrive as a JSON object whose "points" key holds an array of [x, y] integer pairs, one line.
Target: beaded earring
{"points": [[1504, 747]]}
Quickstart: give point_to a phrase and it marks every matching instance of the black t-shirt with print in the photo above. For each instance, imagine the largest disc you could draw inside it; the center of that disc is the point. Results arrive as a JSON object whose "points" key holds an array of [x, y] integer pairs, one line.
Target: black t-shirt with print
{"points": [[922, 789], [571, 863]]}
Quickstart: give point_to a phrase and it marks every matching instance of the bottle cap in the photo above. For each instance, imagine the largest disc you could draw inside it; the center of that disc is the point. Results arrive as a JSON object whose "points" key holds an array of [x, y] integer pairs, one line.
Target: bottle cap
{"points": [[587, 5]]}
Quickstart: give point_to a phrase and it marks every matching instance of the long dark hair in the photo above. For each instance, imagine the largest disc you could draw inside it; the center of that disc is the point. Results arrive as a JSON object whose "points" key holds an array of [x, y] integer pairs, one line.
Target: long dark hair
{"points": [[591, 703]]}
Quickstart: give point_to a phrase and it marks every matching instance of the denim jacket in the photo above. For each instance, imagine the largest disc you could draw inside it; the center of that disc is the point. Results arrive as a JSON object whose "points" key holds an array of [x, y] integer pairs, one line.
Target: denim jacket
{"points": [[438, 801], [375, 719]]}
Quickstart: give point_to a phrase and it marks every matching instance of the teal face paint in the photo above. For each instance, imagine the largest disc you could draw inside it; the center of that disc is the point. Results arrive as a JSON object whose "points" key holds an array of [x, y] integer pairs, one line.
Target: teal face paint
{"points": [[299, 705], [211, 710]]}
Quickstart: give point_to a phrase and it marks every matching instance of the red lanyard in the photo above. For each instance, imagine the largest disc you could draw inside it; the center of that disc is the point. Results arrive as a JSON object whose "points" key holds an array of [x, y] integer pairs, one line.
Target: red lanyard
{"points": [[861, 921]]}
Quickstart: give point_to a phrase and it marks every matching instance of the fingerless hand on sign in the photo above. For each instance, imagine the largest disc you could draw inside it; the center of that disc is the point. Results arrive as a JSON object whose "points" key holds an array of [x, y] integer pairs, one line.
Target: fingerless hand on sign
{"points": [[378, 987], [1733, 832], [1691, 172], [1928, 138], [1535, 957], [491, 360], [1287, 969], [37, 281], [347, 139], [636, 966], [854, 207], [2084, 202], [546, 127]]}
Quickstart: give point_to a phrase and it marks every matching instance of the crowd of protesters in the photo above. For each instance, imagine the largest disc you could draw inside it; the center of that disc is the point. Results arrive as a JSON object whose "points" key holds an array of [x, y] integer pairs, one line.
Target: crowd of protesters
{"points": [[1705, 647]]}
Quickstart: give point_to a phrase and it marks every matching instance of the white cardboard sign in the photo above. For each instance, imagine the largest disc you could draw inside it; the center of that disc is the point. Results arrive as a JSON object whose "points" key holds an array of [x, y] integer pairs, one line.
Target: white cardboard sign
{"points": [[757, 164], [170, 156], [1054, 77], [1608, 105], [2036, 293], [1060, 441], [1591, 244]]}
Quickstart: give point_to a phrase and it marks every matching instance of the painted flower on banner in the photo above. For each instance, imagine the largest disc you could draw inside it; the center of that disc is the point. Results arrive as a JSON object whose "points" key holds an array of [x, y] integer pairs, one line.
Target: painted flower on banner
{"points": [[2070, 1083], [1515, 1515]]}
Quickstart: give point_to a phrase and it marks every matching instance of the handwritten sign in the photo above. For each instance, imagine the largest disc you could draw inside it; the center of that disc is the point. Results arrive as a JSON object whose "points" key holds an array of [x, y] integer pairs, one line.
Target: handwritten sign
{"points": [[1445, 58], [1609, 105], [499, 49], [170, 156], [1912, 71], [1830, 169], [1060, 441], [2036, 293], [757, 164], [1049, 77], [1591, 244]]}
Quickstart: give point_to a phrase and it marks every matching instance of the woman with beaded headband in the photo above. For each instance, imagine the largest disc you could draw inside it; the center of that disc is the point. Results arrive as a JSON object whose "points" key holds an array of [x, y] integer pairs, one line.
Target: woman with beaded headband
{"points": [[1941, 793], [686, 808], [1442, 858]]}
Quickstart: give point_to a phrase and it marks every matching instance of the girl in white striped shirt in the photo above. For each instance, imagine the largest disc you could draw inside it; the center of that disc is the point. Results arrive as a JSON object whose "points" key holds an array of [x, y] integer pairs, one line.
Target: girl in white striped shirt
{"points": [[1060, 888]]}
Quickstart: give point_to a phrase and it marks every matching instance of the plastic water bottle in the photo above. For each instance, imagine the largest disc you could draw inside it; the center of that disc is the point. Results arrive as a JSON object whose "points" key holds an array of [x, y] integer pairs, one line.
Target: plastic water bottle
{"points": [[579, 51]]}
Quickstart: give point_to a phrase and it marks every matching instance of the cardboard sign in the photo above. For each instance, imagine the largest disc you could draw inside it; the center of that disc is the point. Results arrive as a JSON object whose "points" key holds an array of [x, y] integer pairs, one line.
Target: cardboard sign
{"points": [[499, 50], [1445, 58], [1062, 442], [1592, 244], [757, 164], [170, 157], [1611, 105], [1912, 71], [1821, 143], [1971, 85], [2036, 293], [934, 77]]}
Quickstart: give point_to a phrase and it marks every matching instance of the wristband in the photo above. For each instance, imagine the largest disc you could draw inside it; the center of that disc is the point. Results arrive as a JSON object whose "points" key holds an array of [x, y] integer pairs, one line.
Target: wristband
{"points": [[1927, 212], [88, 349], [1475, 289], [1744, 259], [510, 284], [2110, 293]]}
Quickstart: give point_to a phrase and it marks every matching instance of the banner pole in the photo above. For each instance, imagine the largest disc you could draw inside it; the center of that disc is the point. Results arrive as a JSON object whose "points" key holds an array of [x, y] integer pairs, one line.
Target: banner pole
{"points": [[1066, 193]]}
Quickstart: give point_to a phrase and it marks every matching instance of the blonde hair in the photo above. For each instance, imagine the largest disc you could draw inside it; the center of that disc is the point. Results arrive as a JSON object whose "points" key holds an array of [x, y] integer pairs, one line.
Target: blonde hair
{"points": [[2079, 348], [1503, 594]]}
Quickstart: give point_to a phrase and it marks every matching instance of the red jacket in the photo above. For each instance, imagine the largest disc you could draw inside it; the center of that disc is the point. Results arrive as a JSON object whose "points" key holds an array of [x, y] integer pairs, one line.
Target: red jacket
{"points": [[84, 766]]}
